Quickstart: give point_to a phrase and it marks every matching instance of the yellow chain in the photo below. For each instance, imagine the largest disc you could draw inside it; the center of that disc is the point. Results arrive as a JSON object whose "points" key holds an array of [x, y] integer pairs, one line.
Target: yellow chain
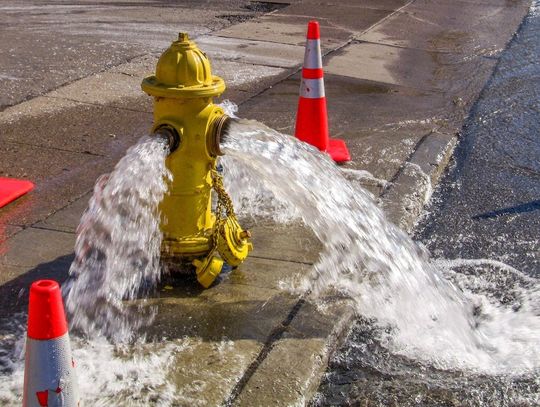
{"points": [[223, 201]]}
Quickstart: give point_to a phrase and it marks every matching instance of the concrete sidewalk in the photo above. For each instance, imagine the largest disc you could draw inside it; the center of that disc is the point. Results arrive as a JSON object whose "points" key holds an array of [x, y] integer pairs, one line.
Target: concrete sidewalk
{"points": [[400, 79]]}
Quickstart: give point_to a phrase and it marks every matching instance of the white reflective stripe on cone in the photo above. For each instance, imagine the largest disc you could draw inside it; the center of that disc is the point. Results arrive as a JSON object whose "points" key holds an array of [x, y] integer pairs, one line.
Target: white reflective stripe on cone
{"points": [[49, 369], [312, 57], [312, 88]]}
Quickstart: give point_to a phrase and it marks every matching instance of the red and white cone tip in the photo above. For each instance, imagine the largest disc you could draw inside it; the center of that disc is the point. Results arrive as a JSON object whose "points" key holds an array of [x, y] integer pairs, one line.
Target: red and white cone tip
{"points": [[46, 316], [313, 31], [49, 373], [312, 116]]}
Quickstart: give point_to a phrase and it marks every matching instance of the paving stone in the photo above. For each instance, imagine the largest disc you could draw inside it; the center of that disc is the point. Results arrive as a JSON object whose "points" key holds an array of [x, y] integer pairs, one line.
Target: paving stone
{"points": [[32, 247], [352, 16], [474, 29], [224, 311], [288, 242], [252, 51], [76, 128], [289, 377], [6, 231], [68, 218], [385, 64], [409, 67], [269, 273], [208, 371], [373, 4], [107, 89], [285, 29], [37, 107], [292, 370], [55, 193], [37, 163]]}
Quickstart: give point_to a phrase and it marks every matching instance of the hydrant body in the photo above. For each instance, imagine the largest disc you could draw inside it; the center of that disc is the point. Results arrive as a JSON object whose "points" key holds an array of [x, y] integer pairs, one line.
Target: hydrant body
{"points": [[187, 217], [183, 88]]}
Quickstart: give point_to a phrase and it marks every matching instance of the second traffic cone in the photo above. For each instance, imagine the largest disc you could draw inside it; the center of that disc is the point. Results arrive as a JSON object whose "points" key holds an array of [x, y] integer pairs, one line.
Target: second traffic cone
{"points": [[11, 189], [312, 117], [49, 369]]}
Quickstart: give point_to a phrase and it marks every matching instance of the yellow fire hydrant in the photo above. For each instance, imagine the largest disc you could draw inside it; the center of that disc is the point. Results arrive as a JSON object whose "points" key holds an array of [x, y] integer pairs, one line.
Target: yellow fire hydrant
{"points": [[184, 114]]}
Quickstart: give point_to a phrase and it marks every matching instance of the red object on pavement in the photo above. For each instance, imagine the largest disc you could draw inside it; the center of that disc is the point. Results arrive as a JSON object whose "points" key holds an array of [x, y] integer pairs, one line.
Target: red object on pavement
{"points": [[312, 116], [11, 189], [46, 316]]}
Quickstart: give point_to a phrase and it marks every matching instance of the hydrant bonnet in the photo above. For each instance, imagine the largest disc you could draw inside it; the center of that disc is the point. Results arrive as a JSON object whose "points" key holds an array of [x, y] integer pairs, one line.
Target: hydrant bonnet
{"points": [[183, 71]]}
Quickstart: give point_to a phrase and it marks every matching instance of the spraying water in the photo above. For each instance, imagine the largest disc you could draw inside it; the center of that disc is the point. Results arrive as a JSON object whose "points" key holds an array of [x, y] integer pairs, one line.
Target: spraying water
{"points": [[118, 245], [391, 279]]}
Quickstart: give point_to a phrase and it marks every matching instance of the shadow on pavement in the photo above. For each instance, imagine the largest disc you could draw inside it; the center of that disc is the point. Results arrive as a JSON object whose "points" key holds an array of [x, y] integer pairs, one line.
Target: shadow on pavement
{"points": [[522, 208]]}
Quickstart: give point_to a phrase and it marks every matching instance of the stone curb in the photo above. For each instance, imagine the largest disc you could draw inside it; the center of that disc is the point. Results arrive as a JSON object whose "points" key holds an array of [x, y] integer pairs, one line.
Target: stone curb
{"points": [[404, 199]]}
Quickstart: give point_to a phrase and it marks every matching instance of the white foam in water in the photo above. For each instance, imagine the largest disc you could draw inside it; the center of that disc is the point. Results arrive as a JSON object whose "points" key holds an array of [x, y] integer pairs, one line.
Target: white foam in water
{"points": [[118, 245], [388, 275], [507, 304], [363, 176], [535, 8], [135, 375], [108, 374]]}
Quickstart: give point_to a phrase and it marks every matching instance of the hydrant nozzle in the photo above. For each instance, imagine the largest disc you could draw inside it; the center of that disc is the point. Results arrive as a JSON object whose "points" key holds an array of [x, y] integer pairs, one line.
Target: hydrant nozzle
{"points": [[184, 115]]}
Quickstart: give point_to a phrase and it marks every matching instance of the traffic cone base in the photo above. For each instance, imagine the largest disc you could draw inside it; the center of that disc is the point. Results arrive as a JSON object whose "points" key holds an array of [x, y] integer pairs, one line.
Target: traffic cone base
{"points": [[337, 149]]}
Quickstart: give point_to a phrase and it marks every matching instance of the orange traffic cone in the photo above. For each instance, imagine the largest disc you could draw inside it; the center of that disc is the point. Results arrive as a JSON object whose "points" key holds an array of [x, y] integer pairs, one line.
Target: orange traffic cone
{"points": [[312, 118], [49, 370]]}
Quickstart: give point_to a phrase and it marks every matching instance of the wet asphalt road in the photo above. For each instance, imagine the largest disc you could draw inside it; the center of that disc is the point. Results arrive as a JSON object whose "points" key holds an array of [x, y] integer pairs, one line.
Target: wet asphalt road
{"points": [[488, 206]]}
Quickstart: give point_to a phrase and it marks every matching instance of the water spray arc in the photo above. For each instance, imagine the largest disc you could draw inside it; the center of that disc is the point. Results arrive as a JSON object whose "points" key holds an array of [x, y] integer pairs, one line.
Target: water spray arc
{"points": [[183, 88]]}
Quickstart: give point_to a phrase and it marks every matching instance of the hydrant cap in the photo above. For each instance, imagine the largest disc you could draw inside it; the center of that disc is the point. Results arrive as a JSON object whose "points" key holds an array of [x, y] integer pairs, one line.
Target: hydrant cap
{"points": [[183, 71]]}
